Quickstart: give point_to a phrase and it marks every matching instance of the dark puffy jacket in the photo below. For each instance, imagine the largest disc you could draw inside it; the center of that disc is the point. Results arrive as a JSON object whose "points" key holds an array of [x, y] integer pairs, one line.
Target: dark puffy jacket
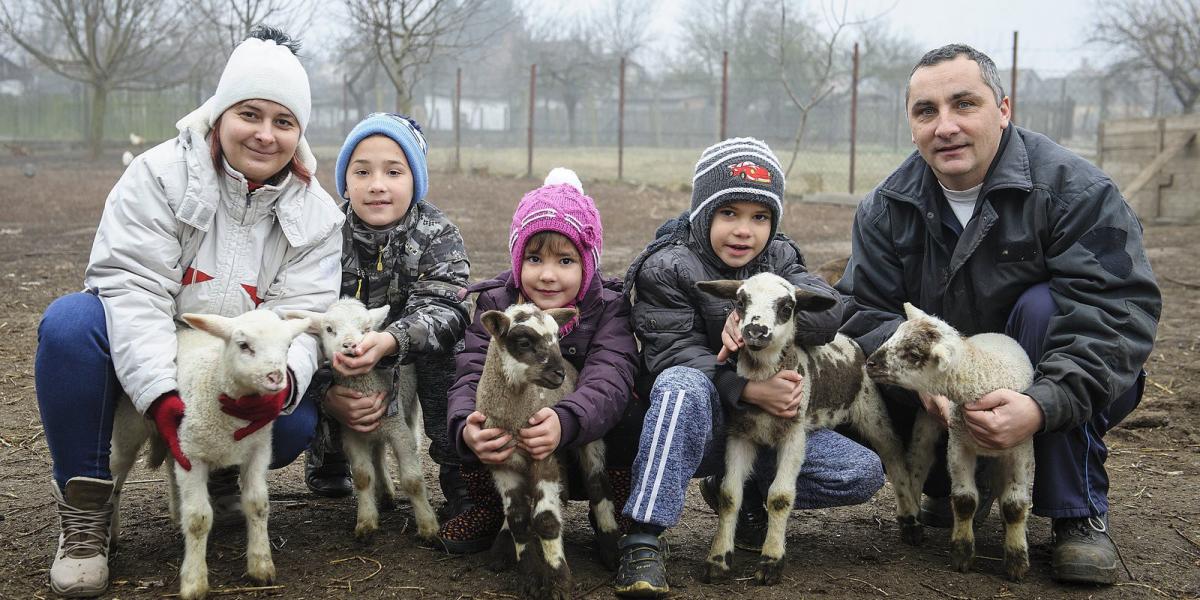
{"points": [[678, 325], [1044, 215], [601, 347]]}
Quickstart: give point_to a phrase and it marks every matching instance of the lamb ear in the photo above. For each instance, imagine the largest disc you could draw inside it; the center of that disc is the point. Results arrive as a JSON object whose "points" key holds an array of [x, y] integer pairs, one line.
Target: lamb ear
{"points": [[214, 324], [725, 289], [378, 315], [314, 319], [302, 325], [812, 302], [911, 312], [562, 315], [943, 355], [496, 323]]}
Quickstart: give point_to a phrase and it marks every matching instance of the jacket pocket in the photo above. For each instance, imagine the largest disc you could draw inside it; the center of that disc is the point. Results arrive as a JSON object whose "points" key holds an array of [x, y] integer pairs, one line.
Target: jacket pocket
{"points": [[665, 320]]}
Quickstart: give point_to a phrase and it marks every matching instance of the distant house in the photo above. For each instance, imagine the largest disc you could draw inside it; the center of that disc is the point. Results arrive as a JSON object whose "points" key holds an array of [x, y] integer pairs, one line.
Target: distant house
{"points": [[15, 80]]}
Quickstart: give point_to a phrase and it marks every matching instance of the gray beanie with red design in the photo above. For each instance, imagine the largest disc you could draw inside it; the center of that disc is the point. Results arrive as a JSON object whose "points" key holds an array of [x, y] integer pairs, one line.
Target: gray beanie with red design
{"points": [[737, 169]]}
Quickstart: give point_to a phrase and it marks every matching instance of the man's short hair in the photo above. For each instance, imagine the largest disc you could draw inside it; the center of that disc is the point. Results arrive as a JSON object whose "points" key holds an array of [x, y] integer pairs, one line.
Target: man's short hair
{"points": [[949, 52]]}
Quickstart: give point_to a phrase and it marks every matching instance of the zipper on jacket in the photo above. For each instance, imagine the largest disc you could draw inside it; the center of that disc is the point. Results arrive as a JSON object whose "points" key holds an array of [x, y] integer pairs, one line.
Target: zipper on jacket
{"points": [[379, 263], [358, 291]]}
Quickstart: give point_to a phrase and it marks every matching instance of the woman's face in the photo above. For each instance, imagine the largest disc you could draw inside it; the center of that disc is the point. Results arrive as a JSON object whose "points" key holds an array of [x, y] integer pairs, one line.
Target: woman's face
{"points": [[258, 138]]}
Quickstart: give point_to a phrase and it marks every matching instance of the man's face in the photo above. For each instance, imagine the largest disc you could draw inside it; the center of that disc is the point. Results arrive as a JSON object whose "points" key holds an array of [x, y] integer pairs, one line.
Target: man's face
{"points": [[955, 121]]}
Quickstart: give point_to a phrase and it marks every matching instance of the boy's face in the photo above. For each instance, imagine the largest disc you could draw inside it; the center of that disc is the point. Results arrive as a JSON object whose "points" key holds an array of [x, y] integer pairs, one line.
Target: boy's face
{"points": [[739, 232], [379, 182], [551, 275]]}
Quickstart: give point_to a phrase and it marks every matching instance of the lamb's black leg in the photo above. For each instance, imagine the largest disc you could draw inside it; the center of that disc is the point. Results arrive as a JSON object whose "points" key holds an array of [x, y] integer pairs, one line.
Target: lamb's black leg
{"points": [[600, 497]]}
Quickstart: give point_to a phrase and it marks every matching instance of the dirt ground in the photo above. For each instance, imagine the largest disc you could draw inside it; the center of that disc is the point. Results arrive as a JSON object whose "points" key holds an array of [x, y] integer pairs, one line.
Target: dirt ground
{"points": [[46, 227]]}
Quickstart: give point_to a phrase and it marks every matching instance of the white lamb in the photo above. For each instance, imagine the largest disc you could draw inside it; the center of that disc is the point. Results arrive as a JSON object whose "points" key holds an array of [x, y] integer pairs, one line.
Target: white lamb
{"points": [[927, 355], [236, 357], [340, 328]]}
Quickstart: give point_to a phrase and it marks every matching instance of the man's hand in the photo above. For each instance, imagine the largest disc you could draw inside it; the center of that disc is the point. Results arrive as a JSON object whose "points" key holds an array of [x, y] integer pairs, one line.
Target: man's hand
{"points": [[490, 445], [779, 395], [167, 413], [370, 350], [543, 435], [938, 407], [731, 337], [358, 411], [1003, 419]]}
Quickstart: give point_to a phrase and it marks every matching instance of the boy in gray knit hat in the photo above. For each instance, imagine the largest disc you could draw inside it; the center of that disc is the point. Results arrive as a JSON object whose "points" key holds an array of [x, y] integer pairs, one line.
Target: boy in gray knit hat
{"points": [[730, 232]]}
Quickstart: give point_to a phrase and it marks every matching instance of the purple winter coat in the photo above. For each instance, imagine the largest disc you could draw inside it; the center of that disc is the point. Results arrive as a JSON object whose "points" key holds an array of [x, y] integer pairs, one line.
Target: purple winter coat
{"points": [[601, 347]]}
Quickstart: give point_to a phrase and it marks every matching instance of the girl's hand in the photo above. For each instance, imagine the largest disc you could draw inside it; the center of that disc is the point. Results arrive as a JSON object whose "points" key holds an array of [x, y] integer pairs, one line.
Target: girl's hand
{"points": [[490, 445], [543, 435], [355, 410], [938, 407], [367, 353]]}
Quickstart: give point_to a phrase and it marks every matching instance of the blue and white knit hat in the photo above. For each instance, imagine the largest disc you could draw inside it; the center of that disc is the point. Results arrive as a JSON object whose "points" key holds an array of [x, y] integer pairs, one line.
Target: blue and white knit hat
{"points": [[737, 169], [402, 130]]}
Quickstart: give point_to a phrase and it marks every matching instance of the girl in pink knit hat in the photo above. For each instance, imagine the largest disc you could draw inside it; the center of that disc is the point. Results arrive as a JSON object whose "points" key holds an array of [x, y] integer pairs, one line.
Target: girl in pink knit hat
{"points": [[555, 241]]}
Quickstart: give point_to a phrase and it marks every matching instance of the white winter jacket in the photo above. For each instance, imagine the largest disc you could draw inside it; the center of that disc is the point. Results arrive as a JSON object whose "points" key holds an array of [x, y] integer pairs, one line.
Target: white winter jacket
{"points": [[176, 236]]}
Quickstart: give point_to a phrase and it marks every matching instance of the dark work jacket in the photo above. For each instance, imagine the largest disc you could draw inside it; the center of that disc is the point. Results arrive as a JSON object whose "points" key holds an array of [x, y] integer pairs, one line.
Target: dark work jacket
{"points": [[678, 325], [1044, 215], [601, 347]]}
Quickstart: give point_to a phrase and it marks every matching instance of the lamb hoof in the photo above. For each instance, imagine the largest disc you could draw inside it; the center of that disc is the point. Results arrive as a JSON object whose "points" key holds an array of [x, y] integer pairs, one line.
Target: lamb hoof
{"points": [[769, 572], [719, 568], [194, 590], [962, 554], [911, 531], [504, 553], [1016, 564], [606, 548], [261, 571], [364, 533], [427, 532]]}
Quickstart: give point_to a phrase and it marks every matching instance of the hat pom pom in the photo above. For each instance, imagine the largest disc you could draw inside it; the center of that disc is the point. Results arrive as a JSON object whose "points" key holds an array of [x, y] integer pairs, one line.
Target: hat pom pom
{"points": [[560, 175]]}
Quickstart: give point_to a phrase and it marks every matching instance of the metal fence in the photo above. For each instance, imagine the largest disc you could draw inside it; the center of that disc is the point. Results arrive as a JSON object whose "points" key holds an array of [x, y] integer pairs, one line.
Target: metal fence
{"points": [[649, 130]]}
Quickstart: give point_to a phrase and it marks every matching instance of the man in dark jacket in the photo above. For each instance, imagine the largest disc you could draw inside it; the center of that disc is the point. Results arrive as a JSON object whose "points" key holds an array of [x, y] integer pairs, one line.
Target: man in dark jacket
{"points": [[995, 228], [730, 232]]}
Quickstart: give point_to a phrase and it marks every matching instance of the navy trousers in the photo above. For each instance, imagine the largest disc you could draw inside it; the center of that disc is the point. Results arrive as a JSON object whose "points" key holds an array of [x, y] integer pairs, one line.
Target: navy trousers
{"points": [[77, 393], [1069, 478]]}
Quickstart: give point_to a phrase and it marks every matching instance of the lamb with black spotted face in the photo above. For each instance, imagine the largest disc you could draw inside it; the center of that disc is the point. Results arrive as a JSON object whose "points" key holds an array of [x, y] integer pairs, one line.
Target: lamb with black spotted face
{"points": [[835, 390]]}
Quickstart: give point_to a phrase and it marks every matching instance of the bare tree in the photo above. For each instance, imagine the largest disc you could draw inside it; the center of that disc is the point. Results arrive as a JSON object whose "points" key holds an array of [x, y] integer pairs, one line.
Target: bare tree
{"points": [[228, 22], [819, 67], [406, 35], [107, 46], [1163, 35], [622, 26]]}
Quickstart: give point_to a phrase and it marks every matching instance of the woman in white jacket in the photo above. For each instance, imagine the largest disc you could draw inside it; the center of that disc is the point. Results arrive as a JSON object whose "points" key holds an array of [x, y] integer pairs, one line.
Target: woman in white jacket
{"points": [[224, 218]]}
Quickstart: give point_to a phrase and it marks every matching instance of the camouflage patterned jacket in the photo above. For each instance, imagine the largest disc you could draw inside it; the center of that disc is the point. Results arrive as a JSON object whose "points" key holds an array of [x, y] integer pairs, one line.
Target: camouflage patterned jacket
{"points": [[418, 268]]}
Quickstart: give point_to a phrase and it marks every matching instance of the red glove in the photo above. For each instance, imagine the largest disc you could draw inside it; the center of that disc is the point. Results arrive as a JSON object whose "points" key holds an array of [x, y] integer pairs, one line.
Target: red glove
{"points": [[167, 413], [259, 409]]}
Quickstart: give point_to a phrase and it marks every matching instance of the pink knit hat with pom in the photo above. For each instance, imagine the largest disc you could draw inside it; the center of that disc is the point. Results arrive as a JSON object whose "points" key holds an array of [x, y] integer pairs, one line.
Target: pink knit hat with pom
{"points": [[559, 206]]}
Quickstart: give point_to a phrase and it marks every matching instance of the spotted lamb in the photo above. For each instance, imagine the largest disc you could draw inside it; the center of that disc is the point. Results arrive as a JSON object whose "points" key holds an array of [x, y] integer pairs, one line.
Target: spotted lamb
{"points": [[237, 357], [836, 390], [340, 329], [927, 355], [524, 372]]}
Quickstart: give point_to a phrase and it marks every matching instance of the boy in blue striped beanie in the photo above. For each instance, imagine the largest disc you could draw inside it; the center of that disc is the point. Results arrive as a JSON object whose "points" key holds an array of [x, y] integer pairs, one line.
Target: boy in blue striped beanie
{"points": [[382, 173]]}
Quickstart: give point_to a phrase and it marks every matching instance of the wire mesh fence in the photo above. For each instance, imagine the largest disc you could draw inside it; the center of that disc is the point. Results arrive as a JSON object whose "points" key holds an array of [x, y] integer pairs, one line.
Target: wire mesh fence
{"points": [[650, 134]]}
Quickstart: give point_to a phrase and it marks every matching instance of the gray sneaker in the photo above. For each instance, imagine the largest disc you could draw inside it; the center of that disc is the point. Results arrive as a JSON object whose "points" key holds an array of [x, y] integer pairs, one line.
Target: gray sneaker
{"points": [[85, 513], [1083, 551]]}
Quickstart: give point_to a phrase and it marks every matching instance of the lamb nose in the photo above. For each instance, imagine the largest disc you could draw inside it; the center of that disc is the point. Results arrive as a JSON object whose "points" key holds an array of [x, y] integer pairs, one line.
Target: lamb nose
{"points": [[274, 377], [756, 331]]}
